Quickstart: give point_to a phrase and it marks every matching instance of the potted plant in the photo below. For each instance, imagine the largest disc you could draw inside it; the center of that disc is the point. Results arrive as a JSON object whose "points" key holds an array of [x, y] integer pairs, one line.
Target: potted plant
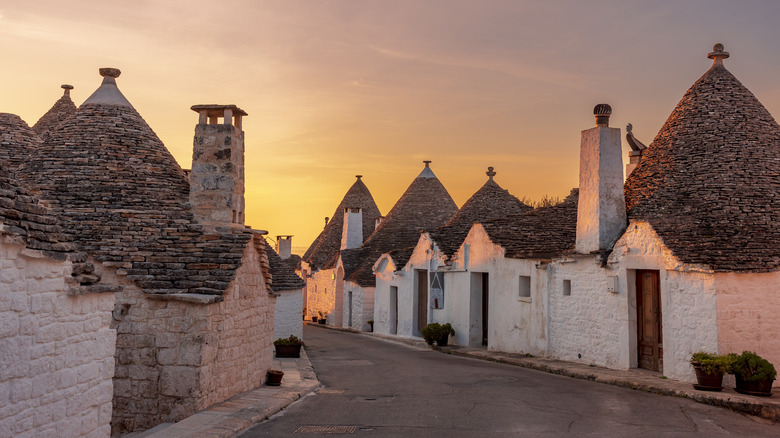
{"points": [[444, 335], [314, 318], [435, 332], [274, 377], [754, 374], [710, 369], [323, 317], [288, 347], [371, 325]]}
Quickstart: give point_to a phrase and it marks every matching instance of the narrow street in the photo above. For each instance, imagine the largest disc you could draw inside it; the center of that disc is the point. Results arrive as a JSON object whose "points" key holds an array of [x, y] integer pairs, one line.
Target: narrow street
{"points": [[382, 389]]}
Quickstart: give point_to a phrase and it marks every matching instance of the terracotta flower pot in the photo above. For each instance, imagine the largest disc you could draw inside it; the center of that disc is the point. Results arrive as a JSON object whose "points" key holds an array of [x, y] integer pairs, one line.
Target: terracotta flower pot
{"points": [[761, 388], [288, 350], [274, 377], [706, 381]]}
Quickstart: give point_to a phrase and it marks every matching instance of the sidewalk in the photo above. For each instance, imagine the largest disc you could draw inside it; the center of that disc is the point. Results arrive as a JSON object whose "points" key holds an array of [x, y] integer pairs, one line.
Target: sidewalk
{"points": [[245, 410], [648, 381]]}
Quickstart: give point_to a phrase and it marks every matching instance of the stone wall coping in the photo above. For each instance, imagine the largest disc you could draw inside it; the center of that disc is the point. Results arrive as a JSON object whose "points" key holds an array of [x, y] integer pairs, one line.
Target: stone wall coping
{"points": [[94, 289], [189, 298]]}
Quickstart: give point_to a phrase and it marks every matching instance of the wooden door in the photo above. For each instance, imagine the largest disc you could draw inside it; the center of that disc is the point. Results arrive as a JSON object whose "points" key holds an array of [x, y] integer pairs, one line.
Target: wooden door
{"points": [[485, 302], [648, 309], [422, 299]]}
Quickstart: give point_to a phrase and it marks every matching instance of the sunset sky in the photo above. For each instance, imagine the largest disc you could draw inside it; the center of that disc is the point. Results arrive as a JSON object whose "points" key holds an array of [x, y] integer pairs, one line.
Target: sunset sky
{"points": [[338, 88]]}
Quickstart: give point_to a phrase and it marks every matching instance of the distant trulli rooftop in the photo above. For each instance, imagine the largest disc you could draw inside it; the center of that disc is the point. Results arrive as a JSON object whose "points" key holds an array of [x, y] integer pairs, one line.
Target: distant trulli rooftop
{"points": [[709, 183], [488, 203], [17, 141], [328, 243], [62, 109], [425, 205]]}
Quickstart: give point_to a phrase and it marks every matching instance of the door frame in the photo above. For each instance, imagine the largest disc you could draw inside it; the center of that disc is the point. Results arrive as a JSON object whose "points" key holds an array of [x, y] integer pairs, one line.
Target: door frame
{"points": [[656, 361]]}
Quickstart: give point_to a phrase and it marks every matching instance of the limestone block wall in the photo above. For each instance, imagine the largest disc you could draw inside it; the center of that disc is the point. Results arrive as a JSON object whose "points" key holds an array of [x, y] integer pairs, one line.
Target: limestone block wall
{"points": [[243, 326], [56, 351], [287, 317], [748, 305], [321, 291], [175, 357]]}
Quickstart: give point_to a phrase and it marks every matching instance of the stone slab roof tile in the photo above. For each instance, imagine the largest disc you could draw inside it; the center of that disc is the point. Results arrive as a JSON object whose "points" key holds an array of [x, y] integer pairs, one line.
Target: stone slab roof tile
{"points": [[542, 233], [709, 183], [17, 141], [282, 276], [61, 110]]}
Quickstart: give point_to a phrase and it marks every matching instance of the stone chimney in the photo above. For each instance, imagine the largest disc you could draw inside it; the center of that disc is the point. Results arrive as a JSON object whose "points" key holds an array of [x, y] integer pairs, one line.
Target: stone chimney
{"points": [[284, 246], [601, 212], [217, 175], [637, 148], [352, 233]]}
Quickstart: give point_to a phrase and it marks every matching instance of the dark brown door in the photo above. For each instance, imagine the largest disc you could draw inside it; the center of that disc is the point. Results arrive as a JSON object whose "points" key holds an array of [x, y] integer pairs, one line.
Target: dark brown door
{"points": [[422, 299], [485, 302], [648, 309]]}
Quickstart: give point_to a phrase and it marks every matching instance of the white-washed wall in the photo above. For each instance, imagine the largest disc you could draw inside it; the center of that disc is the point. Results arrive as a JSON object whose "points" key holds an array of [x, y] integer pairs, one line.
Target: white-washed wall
{"points": [[599, 327], [748, 309], [287, 318], [362, 305], [56, 351]]}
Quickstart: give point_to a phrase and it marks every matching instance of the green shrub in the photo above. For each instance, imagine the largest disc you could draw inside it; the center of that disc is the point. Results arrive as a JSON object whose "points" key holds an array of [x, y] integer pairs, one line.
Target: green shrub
{"points": [[712, 363], [292, 340], [447, 329], [752, 367]]}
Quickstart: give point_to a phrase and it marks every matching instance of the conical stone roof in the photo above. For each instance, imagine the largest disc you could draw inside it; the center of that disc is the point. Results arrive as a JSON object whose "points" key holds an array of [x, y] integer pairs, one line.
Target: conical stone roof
{"points": [[125, 198], [17, 140], [542, 233], [328, 243], [488, 203], [283, 277], [709, 183], [425, 205], [62, 109]]}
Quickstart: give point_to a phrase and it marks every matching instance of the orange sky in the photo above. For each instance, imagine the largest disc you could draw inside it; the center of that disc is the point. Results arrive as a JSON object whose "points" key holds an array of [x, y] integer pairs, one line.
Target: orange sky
{"points": [[338, 88]]}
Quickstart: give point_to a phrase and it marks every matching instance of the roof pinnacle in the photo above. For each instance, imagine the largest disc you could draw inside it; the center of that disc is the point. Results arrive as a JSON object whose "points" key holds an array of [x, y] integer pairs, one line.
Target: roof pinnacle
{"points": [[427, 163], [110, 72], [490, 173], [358, 176], [67, 89], [718, 54]]}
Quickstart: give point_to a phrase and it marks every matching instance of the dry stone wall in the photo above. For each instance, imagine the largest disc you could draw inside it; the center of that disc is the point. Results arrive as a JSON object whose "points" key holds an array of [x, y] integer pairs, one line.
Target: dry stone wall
{"points": [[56, 351], [177, 357]]}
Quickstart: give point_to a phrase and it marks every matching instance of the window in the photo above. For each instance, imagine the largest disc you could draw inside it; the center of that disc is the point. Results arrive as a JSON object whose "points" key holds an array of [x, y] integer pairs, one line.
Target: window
{"points": [[525, 287], [566, 287], [437, 290]]}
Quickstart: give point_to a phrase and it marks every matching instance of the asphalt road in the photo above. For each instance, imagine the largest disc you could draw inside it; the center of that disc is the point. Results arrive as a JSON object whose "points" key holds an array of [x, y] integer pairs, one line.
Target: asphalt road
{"points": [[375, 388]]}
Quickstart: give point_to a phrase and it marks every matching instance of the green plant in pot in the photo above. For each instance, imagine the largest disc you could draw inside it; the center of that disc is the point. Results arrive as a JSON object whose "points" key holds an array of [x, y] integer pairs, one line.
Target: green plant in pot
{"points": [[435, 332], [754, 374], [323, 317], [288, 347], [710, 368], [444, 335]]}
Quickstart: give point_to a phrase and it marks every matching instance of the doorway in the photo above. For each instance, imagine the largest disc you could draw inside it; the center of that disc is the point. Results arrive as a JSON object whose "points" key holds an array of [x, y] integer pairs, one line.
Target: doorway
{"points": [[350, 307], [338, 308], [393, 311], [648, 309], [421, 282], [485, 306]]}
